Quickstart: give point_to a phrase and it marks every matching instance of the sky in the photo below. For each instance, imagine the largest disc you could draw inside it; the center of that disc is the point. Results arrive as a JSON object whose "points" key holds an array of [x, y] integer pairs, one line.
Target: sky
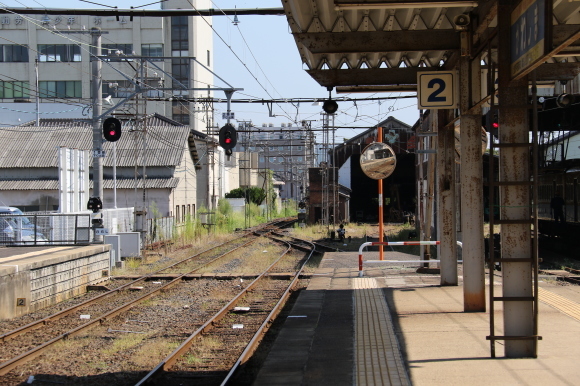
{"points": [[260, 56]]}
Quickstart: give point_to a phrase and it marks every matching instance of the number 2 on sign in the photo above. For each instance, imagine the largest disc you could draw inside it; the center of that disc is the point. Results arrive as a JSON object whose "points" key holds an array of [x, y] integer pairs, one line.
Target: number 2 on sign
{"points": [[439, 85], [435, 90]]}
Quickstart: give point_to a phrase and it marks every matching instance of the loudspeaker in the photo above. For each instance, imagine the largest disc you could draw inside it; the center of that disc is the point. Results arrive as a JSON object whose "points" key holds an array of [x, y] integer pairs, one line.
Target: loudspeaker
{"points": [[461, 21]]}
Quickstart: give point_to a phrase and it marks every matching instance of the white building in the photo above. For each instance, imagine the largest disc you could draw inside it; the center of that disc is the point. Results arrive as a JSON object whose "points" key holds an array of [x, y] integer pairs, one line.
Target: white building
{"points": [[57, 48]]}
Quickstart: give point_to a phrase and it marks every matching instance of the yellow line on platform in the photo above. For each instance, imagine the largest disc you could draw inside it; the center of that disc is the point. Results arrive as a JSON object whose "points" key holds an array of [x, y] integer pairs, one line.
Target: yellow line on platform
{"points": [[378, 357], [562, 304]]}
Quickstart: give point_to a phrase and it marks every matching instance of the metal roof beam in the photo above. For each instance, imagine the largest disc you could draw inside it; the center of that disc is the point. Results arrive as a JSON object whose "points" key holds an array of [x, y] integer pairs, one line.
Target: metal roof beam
{"points": [[558, 71], [380, 41], [375, 89], [368, 76], [353, 5]]}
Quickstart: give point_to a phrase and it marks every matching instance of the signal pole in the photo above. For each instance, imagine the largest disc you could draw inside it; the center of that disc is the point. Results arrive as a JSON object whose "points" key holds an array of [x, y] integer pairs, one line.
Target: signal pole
{"points": [[97, 97]]}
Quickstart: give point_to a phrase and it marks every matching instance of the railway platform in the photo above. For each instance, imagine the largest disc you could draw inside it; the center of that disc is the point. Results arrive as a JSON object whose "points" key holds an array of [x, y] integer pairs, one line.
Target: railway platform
{"points": [[35, 277], [394, 326]]}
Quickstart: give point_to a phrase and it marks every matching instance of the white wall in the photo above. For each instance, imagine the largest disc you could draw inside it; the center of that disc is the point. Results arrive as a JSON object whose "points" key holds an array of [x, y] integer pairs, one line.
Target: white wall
{"points": [[344, 174]]}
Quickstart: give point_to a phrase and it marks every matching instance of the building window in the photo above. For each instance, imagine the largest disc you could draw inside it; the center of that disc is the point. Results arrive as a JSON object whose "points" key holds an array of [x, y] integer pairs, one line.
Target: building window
{"points": [[180, 72], [60, 89], [180, 112], [299, 148], [13, 53], [299, 159], [116, 49], [180, 68], [59, 53], [177, 213], [179, 33], [183, 211], [208, 58], [14, 90], [262, 159], [152, 49]]}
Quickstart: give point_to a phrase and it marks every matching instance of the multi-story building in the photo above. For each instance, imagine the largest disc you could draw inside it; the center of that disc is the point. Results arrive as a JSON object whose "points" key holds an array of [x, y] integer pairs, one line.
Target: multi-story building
{"points": [[48, 57], [286, 150]]}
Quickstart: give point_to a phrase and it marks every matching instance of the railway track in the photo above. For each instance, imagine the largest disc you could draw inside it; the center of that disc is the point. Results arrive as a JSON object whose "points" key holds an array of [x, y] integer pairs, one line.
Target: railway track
{"points": [[20, 346], [238, 327], [128, 313], [566, 274]]}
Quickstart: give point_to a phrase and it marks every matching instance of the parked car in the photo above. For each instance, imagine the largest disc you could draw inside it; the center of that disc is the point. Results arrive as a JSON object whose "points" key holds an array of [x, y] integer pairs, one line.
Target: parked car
{"points": [[16, 228]]}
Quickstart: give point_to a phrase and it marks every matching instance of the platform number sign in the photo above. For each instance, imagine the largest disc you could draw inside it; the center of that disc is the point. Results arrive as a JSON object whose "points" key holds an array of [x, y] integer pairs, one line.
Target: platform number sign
{"points": [[20, 302], [437, 90]]}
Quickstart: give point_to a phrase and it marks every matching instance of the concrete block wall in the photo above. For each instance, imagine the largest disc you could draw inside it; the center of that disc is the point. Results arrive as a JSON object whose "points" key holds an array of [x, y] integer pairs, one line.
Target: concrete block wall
{"points": [[58, 282], [50, 277]]}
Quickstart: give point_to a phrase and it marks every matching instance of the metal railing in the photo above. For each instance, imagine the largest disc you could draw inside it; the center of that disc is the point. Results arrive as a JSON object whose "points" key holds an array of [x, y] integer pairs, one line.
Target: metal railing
{"points": [[75, 228], [159, 230], [373, 243], [45, 229]]}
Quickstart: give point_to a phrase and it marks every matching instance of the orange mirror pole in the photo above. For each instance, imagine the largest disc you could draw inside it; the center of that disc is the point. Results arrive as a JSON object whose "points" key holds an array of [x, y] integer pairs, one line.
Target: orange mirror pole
{"points": [[381, 252]]}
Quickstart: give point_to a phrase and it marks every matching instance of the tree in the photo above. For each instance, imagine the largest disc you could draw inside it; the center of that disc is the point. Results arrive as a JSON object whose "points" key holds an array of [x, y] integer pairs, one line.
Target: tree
{"points": [[253, 194]]}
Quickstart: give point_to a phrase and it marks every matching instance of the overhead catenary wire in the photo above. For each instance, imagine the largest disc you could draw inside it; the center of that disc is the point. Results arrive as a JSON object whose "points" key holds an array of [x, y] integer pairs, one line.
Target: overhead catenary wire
{"points": [[236, 55]]}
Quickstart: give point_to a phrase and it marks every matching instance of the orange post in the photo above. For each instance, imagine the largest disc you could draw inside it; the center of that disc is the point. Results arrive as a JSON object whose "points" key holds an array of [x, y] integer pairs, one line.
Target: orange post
{"points": [[381, 252]]}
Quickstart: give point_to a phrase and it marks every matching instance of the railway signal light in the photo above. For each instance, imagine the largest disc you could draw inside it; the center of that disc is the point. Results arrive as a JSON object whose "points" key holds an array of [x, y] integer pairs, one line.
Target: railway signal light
{"points": [[495, 123], [490, 122], [95, 204], [112, 129], [228, 138], [329, 106], [97, 222]]}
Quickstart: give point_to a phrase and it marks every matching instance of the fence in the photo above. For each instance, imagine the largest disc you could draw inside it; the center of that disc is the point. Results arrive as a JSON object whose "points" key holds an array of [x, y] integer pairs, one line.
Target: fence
{"points": [[75, 228], [159, 230], [119, 220], [43, 229]]}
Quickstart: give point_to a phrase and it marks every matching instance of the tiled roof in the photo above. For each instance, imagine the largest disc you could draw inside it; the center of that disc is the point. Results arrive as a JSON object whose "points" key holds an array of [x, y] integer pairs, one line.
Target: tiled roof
{"points": [[29, 185], [152, 183], [31, 146]]}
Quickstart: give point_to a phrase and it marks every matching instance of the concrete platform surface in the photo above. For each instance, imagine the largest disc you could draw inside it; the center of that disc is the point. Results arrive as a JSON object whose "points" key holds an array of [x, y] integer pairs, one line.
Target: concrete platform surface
{"points": [[396, 327]]}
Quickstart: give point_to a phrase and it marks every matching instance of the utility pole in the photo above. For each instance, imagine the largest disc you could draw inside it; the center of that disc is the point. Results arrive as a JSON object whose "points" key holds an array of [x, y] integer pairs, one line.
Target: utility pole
{"points": [[97, 99]]}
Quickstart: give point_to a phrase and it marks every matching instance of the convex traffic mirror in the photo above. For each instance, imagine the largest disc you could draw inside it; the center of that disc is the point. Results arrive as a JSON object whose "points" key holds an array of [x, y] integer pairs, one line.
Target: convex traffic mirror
{"points": [[378, 160]]}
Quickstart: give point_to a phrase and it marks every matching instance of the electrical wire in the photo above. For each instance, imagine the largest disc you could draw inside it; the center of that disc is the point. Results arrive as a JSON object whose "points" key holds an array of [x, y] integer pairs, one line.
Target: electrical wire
{"points": [[237, 57]]}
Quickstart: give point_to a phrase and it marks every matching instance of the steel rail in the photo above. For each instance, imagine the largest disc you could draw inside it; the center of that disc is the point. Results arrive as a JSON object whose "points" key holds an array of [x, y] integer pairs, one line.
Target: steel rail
{"points": [[5, 367], [42, 322], [263, 329], [169, 361], [320, 246]]}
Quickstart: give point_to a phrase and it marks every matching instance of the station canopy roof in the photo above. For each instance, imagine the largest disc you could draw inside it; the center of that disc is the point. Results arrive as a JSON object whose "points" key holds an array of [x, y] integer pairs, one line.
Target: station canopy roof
{"points": [[377, 45]]}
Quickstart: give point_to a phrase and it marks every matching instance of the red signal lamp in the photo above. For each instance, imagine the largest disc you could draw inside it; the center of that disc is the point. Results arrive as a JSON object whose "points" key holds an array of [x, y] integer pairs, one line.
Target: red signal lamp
{"points": [[112, 129]]}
